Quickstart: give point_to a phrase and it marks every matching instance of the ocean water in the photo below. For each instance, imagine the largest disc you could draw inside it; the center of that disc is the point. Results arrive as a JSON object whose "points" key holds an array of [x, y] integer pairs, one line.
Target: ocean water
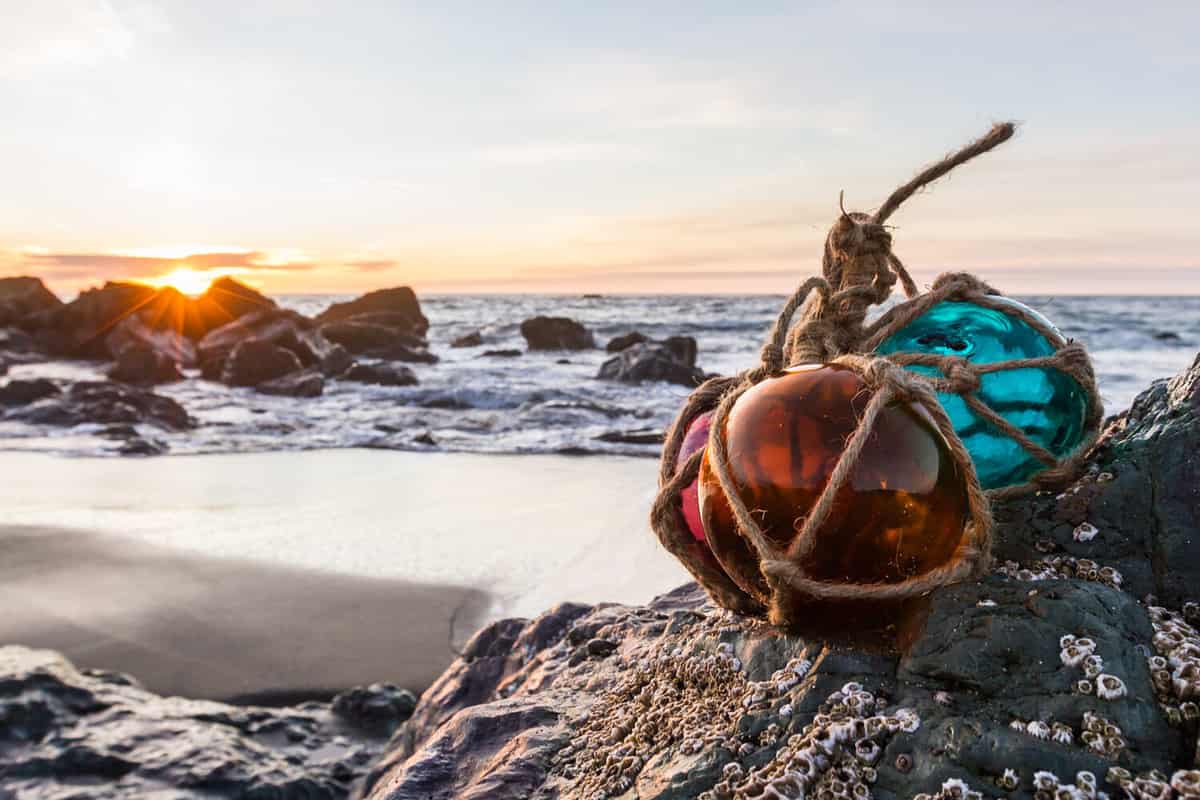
{"points": [[551, 402]]}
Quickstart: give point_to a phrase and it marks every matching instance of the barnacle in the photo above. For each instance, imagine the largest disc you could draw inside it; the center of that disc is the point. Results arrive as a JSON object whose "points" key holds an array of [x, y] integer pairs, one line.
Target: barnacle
{"points": [[1109, 687]]}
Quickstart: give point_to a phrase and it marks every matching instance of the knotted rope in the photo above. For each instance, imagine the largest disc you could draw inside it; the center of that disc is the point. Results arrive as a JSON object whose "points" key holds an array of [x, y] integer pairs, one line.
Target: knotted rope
{"points": [[859, 270]]}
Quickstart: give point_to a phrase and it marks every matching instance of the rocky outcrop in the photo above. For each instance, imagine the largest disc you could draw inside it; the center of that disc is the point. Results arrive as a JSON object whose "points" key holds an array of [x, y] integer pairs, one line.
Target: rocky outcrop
{"points": [[619, 343], [672, 360], [23, 392], [144, 365], [556, 333], [105, 403], [304, 383], [22, 296], [472, 339], [284, 329], [1137, 509], [85, 733], [380, 375], [226, 300], [400, 303], [380, 341], [81, 328], [1053, 676], [256, 361]]}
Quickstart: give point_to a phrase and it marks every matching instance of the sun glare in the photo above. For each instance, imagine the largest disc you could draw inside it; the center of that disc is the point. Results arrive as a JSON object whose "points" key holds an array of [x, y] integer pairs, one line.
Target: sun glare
{"points": [[189, 281]]}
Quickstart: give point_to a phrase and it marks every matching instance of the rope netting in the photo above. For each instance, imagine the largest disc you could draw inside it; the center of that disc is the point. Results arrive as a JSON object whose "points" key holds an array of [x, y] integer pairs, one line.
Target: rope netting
{"points": [[859, 271]]}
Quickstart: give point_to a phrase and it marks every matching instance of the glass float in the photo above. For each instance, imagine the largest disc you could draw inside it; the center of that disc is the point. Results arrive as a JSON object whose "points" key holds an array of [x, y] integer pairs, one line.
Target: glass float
{"points": [[1047, 404], [901, 512], [694, 440]]}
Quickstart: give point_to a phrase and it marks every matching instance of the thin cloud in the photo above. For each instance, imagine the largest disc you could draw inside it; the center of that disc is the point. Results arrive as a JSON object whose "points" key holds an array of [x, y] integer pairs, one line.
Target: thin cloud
{"points": [[373, 264], [64, 265]]}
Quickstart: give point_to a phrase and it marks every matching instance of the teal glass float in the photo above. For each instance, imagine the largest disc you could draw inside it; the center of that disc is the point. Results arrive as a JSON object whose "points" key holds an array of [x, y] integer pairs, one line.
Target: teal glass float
{"points": [[1048, 405]]}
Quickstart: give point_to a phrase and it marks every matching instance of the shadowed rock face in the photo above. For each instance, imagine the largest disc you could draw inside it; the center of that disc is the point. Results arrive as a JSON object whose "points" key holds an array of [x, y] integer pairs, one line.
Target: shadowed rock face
{"points": [[672, 360], [22, 296], [105, 403], [556, 333], [71, 733], [1019, 682], [393, 308]]}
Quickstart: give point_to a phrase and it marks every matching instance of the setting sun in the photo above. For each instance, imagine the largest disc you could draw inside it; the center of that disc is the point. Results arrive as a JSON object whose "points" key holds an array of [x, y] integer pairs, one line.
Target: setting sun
{"points": [[189, 281]]}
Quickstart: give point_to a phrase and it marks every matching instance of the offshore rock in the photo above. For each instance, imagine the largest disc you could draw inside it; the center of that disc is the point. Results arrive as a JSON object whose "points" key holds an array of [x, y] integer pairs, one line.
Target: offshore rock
{"points": [[399, 303], [256, 361], [556, 333], [1048, 675], [105, 403], [380, 375], [619, 343], [22, 296], [144, 365], [23, 392], [672, 360], [84, 733], [305, 383], [282, 328], [373, 339], [472, 339]]}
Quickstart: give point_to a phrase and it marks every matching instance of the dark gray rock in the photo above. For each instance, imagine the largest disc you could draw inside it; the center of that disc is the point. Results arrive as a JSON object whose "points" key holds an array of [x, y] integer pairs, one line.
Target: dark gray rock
{"points": [[144, 365], [380, 707], [556, 333], [336, 361], [304, 383], [673, 360], [619, 343], [472, 339], [282, 328], [503, 353], [633, 437], [380, 375], [1142, 494], [256, 361], [24, 392], [133, 331], [106, 403], [71, 733], [677, 699], [22, 296], [400, 301], [365, 337]]}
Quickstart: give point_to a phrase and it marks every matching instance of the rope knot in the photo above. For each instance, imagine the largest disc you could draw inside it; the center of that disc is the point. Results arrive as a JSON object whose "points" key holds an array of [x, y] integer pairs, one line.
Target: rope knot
{"points": [[961, 378], [771, 358]]}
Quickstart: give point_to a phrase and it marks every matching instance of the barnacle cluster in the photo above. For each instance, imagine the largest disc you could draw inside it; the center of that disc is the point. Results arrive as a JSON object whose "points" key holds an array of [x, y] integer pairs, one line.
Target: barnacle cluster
{"points": [[1081, 652], [1058, 567], [952, 789], [1047, 786], [834, 756], [666, 699]]}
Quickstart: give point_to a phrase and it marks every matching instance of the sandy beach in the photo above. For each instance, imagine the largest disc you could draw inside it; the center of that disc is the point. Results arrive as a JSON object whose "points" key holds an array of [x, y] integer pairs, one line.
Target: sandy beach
{"points": [[281, 575]]}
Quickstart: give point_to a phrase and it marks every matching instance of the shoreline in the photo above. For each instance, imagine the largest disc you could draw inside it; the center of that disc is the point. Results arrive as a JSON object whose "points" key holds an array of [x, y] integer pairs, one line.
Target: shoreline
{"points": [[222, 629]]}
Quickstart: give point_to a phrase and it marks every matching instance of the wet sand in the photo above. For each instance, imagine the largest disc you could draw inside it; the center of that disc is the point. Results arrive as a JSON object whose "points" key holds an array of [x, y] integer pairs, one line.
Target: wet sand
{"points": [[219, 628], [276, 573]]}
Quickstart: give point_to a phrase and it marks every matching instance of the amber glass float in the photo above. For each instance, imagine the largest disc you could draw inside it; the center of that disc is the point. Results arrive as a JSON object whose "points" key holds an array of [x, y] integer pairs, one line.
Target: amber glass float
{"points": [[902, 511]]}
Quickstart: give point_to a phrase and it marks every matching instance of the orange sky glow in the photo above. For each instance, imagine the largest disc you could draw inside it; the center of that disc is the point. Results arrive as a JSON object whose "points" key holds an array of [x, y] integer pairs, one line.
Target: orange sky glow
{"points": [[518, 148]]}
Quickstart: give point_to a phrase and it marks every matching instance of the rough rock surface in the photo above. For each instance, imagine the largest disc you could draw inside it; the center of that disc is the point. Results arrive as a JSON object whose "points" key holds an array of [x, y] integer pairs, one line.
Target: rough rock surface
{"points": [[106, 403], [1051, 677], [22, 296], [382, 341], [134, 331], [304, 383], [400, 302], [282, 328], [472, 339], [619, 343], [23, 392], [68, 733], [556, 333], [380, 375], [672, 360], [256, 361], [144, 365]]}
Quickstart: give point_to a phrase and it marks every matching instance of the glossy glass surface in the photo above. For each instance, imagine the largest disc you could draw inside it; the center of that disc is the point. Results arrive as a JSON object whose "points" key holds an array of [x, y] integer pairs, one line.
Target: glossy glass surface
{"points": [[695, 439], [1048, 405], [901, 513]]}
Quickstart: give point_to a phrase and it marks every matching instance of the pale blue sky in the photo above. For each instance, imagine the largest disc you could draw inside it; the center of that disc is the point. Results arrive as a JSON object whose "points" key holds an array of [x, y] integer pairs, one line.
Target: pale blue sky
{"points": [[593, 146]]}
